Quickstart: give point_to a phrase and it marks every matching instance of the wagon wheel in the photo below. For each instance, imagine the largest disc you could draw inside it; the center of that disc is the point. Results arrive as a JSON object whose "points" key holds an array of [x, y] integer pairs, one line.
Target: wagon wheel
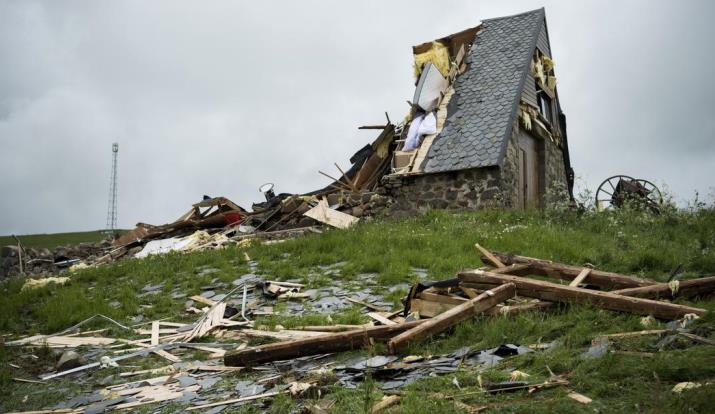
{"points": [[604, 194], [654, 196], [608, 194]]}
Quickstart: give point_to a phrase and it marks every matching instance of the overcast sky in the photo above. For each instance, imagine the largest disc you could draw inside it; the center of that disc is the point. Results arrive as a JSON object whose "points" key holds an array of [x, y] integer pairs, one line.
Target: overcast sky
{"points": [[218, 97]]}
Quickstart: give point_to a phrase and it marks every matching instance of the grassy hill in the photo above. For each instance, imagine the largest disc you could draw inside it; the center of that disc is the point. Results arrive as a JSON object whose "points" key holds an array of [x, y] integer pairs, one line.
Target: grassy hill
{"points": [[638, 379], [50, 241]]}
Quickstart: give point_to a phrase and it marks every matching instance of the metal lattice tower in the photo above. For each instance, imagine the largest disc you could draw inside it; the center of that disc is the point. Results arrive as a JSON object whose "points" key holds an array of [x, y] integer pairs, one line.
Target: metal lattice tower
{"points": [[112, 208]]}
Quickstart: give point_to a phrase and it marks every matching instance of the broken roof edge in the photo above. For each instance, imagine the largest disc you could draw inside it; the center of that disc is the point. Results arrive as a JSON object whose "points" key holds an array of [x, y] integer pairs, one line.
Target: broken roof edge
{"points": [[426, 45], [522, 81]]}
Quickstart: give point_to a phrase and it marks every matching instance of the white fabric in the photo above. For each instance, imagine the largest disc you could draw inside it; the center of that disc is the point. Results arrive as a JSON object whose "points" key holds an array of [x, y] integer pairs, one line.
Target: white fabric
{"points": [[413, 137], [162, 246], [428, 125], [429, 87]]}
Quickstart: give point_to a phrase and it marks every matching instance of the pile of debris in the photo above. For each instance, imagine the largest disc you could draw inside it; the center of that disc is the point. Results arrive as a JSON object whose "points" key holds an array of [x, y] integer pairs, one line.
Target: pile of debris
{"points": [[20, 260], [307, 358]]}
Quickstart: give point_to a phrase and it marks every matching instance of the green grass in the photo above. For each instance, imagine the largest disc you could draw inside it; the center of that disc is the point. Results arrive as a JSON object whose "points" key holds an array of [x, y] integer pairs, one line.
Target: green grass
{"points": [[443, 243], [50, 241]]}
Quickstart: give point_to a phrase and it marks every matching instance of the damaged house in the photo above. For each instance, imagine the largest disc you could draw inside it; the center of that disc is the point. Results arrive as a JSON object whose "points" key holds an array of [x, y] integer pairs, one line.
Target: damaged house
{"points": [[486, 126]]}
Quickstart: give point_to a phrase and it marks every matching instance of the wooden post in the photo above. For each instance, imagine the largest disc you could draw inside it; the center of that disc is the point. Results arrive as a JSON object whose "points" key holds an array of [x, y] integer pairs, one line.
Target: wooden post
{"points": [[560, 293], [685, 288], [598, 278], [335, 342], [453, 316]]}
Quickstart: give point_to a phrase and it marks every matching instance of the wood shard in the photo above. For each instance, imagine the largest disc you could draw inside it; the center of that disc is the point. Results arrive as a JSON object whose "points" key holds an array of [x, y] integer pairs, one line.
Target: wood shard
{"points": [[580, 398], [386, 401]]}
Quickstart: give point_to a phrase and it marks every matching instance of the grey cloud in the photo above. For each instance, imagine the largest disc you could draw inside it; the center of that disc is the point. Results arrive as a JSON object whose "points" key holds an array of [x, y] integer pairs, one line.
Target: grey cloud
{"points": [[220, 97]]}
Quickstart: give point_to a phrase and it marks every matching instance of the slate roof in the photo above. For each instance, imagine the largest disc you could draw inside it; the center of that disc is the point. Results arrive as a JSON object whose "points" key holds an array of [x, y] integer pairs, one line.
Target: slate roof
{"points": [[486, 98]]}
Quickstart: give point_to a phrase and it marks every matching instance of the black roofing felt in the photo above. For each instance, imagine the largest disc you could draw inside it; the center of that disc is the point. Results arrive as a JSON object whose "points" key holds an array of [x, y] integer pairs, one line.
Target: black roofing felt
{"points": [[486, 96]]}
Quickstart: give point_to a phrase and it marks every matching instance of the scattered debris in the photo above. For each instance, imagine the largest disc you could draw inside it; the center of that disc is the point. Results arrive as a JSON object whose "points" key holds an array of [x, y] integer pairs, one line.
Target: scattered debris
{"points": [[38, 283], [430, 308], [580, 398], [385, 402]]}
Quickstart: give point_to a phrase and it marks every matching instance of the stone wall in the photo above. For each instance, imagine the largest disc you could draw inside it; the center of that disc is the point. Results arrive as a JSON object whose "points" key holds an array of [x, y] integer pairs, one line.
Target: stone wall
{"points": [[479, 188], [555, 183], [466, 189]]}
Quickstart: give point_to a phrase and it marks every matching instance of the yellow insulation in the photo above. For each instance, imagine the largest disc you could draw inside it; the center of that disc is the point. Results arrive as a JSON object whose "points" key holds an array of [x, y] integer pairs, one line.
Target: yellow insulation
{"points": [[438, 55], [548, 64]]}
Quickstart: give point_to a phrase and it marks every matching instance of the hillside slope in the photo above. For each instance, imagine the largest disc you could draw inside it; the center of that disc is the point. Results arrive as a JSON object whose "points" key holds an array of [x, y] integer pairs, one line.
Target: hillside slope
{"points": [[638, 377]]}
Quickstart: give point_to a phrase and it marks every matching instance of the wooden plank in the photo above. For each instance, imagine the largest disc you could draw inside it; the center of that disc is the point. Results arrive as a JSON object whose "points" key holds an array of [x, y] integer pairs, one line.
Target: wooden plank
{"points": [[580, 398], [560, 293], [62, 341], [324, 214], [581, 276], [452, 317], [385, 402], [635, 333], [685, 288], [471, 293], [489, 256], [435, 297], [328, 328], [697, 338], [162, 353], [283, 335], [155, 333], [427, 309], [608, 280], [201, 299], [236, 400], [335, 342], [381, 318]]}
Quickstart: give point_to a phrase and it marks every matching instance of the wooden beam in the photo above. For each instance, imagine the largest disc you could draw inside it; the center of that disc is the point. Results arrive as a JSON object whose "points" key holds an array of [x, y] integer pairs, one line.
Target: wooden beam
{"points": [[581, 276], [381, 318], [452, 317], [560, 293], [336, 342], [599, 278], [685, 288], [351, 183], [514, 269], [490, 258]]}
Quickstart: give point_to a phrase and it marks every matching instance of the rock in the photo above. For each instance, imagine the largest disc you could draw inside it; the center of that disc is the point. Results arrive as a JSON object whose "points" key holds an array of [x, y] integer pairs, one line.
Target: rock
{"points": [[357, 211], [69, 360]]}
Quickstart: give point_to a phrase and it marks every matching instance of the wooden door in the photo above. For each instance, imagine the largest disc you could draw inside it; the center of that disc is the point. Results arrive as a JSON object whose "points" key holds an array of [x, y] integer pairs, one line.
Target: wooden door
{"points": [[528, 181]]}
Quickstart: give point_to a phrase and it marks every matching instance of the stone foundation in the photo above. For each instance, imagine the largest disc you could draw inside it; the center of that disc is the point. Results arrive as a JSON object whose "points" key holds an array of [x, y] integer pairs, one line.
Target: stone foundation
{"points": [[462, 190]]}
